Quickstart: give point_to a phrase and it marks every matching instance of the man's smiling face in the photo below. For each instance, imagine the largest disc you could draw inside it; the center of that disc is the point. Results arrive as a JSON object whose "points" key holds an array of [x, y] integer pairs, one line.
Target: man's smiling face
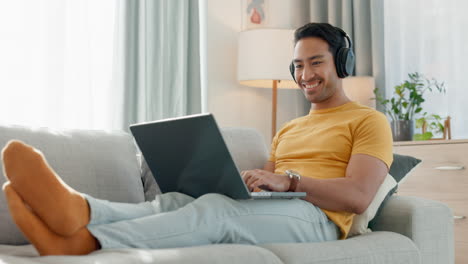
{"points": [[314, 69]]}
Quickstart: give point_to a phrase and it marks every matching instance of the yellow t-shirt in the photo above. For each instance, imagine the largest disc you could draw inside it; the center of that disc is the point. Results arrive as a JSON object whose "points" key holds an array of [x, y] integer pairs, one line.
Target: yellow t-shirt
{"points": [[320, 145]]}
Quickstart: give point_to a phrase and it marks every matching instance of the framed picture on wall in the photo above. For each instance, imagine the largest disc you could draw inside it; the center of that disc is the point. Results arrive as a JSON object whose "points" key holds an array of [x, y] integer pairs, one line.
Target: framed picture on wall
{"points": [[255, 13]]}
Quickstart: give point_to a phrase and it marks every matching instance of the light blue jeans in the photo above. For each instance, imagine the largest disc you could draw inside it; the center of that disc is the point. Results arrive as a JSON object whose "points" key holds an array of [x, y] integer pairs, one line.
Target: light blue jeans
{"points": [[177, 220]]}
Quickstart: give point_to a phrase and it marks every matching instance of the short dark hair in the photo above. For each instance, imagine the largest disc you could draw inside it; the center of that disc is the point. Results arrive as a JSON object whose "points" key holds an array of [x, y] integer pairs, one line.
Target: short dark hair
{"points": [[332, 35]]}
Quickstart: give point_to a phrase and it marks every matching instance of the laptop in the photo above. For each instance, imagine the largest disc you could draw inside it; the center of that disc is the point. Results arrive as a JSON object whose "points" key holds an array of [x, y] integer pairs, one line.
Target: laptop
{"points": [[188, 155]]}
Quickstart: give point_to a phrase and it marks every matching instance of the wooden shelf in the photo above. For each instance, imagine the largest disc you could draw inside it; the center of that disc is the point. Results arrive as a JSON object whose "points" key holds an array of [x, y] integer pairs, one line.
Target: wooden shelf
{"points": [[429, 142]]}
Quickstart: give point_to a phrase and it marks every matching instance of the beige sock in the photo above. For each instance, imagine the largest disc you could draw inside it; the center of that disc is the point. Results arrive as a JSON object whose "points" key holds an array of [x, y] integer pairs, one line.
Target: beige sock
{"points": [[62, 209]]}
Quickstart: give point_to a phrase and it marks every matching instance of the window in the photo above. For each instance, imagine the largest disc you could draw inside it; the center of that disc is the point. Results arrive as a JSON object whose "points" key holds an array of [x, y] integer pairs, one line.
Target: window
{"points": [[428, 36], [56, 63]]}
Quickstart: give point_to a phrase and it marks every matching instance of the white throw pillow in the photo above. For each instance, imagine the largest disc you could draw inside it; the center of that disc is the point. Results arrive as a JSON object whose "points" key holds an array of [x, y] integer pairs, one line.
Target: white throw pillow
{"points": [[361, 221]]}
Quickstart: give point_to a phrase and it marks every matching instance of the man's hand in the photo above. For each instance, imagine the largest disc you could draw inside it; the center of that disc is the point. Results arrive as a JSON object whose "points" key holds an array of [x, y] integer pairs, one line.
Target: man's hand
{"points": [[265, 180]]}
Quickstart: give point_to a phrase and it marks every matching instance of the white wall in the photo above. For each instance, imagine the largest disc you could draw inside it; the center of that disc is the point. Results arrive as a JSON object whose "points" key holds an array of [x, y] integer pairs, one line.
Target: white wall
{"points": [[231, 103]]}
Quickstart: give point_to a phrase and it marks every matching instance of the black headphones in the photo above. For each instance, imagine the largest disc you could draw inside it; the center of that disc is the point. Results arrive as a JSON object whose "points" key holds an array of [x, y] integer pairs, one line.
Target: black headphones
{"points": [[344, 59]]}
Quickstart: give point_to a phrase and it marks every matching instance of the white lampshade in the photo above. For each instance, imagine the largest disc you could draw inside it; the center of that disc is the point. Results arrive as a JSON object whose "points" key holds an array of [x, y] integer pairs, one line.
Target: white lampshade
{"points": [[360, 89], [264, 55]]}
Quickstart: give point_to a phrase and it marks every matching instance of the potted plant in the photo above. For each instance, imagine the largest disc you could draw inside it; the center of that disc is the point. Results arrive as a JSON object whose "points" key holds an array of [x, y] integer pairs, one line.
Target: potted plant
{"points": [[405, 103]]}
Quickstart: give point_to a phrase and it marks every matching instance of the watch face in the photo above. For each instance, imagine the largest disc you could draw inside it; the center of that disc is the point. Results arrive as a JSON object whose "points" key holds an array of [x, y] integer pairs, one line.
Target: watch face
{"points": [[291, 172]]}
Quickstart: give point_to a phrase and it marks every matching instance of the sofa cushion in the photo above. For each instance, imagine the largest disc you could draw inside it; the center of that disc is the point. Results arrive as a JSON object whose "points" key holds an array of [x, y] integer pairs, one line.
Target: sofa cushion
{"points": [[203, 254], [150, 187], [400, 170], [402, 167], [375, 247], [100, 163], [361, 221]]}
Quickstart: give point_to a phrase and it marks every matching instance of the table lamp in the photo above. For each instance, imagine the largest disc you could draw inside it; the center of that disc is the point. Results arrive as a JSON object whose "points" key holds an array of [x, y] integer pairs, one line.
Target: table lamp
{"points": [[264, 56], [360, 89]]}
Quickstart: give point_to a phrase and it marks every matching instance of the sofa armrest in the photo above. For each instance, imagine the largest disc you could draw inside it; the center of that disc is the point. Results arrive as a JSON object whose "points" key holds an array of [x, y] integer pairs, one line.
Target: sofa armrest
{"points": [[428, 223]]}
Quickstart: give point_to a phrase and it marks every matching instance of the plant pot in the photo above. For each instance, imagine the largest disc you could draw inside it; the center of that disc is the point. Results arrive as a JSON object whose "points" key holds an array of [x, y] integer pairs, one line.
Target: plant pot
{"points": [[402, 130]]}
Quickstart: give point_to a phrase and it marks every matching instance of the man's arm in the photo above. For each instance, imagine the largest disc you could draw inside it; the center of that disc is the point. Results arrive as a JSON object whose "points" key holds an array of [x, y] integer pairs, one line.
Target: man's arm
{"points": [[269, 166], [354, 192]]}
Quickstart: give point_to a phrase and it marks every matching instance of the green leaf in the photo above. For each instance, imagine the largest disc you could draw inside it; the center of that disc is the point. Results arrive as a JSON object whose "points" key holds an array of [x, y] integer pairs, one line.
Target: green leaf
{"points": [[425, 136], [428, 135], [417, 137], [441, 127], [420, 122]]}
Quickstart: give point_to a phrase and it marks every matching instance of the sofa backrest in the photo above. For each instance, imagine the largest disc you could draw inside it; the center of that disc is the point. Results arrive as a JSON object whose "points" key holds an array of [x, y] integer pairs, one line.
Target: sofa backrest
{"points": [[247, 147], [100, 163]]}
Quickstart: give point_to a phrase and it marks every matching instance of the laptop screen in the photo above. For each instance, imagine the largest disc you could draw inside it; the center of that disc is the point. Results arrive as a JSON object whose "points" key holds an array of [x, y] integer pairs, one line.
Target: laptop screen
{"points": [[189, 155]]}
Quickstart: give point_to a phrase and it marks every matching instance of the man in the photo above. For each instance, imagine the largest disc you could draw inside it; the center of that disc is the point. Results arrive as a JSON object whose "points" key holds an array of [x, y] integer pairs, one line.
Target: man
{"points": [[341, 149]]}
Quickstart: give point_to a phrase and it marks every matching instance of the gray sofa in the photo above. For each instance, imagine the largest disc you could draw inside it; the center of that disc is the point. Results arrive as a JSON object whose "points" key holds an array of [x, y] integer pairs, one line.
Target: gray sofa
{"points": [[105, 165]]}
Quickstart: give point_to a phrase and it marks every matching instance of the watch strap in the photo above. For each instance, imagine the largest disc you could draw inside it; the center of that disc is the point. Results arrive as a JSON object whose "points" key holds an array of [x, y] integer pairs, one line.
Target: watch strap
{"points": [[294, 178]]}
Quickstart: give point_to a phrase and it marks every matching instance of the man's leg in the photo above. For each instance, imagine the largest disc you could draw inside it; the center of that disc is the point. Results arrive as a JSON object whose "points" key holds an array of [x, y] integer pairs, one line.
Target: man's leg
{"points": [[44, 240], [215, 218], [63, 209], [104, 212]]}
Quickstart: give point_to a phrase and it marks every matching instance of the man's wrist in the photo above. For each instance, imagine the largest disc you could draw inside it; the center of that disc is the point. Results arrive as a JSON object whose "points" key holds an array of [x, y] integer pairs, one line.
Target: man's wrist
{"points": [[294, 178]]}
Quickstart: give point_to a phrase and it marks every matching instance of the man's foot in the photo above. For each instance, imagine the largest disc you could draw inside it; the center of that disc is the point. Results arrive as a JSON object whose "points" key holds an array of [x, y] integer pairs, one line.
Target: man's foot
{"points": [[44, 240], [62, 209]]}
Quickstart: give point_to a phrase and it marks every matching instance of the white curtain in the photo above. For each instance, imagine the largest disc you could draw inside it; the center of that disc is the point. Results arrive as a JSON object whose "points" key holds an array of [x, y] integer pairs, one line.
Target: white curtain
{"points": [[429, 36], [56, 60], [157, 69]]}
